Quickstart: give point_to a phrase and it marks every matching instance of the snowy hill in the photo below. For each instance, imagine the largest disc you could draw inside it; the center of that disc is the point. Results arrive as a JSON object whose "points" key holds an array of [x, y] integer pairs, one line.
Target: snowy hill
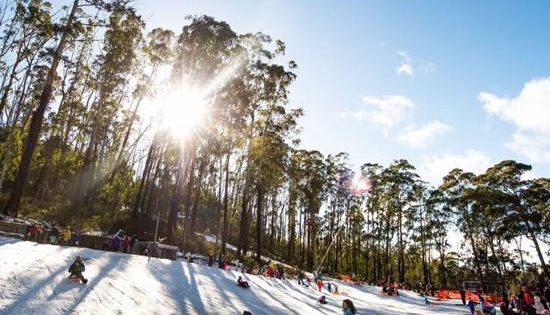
{"points": [[32, 282]]}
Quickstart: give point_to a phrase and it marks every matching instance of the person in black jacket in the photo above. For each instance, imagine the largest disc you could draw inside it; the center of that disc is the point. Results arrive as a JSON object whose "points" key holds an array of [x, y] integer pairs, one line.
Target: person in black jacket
{"points": [[76, 270], [463, 295]]}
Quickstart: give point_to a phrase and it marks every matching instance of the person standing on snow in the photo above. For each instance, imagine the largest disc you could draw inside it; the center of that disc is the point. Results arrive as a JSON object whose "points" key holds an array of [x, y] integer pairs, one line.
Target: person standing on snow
{"points": [[471, 305], [125, 244], [66, 236], [115, 243], [463, 295], [301, 276], [76, 270], [526, 301]]}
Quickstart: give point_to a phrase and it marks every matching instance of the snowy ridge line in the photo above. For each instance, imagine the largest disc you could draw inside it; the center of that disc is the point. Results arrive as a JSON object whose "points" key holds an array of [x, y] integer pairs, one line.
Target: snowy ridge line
{"points": [[32, 282], [212, 239]]}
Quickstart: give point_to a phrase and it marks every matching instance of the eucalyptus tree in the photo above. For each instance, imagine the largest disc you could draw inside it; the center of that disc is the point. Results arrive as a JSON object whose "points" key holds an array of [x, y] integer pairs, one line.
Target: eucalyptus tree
{"points": [[439, 217], [339, 178], [25, 34], [373, 172], [398, 180], [270, 153], [457, 188], [263, 93], [520, 203], [67, 32], [122, 36], [295, 174]]}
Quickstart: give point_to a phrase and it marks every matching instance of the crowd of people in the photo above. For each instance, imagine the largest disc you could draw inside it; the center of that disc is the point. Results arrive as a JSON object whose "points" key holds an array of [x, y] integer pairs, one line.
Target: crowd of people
{"points": [[273, 270], [527, 302], [125, 244], [524, 302], [55, 236], [65, 236]]}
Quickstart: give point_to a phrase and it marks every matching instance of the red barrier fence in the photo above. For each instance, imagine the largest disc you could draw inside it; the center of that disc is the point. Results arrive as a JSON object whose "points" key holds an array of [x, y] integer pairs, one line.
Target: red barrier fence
{"points": [[455, 294]]}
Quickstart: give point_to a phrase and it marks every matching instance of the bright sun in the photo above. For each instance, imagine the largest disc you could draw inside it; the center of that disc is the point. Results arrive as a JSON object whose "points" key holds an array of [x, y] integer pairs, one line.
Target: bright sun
{"points": [[183, 111]]}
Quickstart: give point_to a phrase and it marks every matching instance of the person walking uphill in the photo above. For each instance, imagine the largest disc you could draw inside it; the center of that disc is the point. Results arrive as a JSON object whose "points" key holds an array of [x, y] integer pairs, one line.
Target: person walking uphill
{"points": [[76, 270]]}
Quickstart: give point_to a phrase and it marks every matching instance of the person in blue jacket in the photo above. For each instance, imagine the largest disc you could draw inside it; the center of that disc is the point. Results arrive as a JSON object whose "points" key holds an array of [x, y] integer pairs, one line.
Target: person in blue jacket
{"points": [[347, 306], [471, 305]]}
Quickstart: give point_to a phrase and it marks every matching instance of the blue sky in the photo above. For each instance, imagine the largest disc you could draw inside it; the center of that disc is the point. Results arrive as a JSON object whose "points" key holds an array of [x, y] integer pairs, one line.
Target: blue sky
{"points": [[440, 83]]}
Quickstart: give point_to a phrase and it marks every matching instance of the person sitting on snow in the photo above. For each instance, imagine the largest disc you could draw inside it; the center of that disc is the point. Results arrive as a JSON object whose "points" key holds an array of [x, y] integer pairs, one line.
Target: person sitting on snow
{"points": [[243, 284], [322, 300], [76, 270], [488, 308], [348, 307]]}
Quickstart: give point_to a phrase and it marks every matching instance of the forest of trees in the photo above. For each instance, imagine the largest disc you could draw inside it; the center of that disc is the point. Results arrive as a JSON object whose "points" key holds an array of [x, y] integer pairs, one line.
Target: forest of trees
{"points": [[76, 148]]}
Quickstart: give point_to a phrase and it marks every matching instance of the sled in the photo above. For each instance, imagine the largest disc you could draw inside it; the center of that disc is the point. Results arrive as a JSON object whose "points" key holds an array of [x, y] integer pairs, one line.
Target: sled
{"points": [[76, 280]]}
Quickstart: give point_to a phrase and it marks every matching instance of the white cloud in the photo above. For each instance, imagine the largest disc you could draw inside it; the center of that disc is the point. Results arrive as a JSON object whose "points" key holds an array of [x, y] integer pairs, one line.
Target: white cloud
{"points": [[409, 66], [423, 135], [529, 175], [387, 111], [405, 69], [436, 167], [391, 112], [535, 147], [529, 112], [405, 55]]}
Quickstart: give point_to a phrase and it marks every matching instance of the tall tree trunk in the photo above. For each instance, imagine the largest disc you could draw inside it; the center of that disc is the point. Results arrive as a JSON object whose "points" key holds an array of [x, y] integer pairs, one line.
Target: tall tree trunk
{"points": [[202, 167], [259, 222], [188, 199], [144, 178], [175, 203], [226, 203], [244, 223], [291, 221], [539, 253]]}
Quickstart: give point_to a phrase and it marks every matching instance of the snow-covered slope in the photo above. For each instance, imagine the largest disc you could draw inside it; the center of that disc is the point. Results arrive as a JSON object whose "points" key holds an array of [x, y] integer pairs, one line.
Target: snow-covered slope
{"points": [[32, 282]]}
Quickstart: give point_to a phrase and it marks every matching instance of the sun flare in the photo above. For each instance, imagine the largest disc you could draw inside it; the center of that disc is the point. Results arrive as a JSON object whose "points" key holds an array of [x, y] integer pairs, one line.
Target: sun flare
{"points": [[183, 111]]}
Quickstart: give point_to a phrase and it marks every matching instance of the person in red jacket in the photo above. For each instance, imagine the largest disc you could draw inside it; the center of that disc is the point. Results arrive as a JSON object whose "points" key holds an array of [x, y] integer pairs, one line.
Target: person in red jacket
{"points": [[125, 244], [526, 301]]}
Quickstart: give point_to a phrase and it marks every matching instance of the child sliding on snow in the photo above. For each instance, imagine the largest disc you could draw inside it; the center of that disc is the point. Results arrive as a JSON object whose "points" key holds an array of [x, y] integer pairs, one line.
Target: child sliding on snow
{"points": [[76, 270], [243, 284]]}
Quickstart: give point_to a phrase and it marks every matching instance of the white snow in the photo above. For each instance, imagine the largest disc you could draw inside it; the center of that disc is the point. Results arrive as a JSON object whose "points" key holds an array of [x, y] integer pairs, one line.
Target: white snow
{"points": [[32, 282]]}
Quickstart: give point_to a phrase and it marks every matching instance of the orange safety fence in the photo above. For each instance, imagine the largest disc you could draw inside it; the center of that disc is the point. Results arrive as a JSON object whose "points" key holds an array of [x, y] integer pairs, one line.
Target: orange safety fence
{"points": [[455, 294], [345, 278]]}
